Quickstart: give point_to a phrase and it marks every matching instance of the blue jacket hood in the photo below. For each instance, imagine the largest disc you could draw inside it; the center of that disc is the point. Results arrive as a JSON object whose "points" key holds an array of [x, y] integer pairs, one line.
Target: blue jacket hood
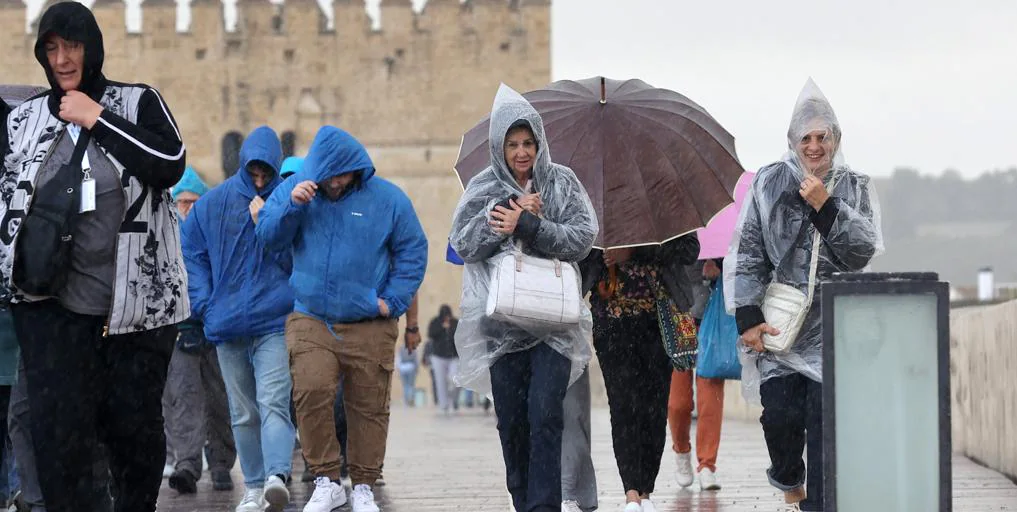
{"points": [[291, 165], [261, 145], [335, 152], [190, 182]]}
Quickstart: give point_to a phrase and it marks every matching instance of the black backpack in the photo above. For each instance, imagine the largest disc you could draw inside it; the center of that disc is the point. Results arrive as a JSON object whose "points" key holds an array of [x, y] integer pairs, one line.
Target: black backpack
{"points": [[42, 254]]}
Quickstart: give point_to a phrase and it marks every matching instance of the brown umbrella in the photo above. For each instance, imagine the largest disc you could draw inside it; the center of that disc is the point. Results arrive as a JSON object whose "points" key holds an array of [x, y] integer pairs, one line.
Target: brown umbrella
{"points": [[655, 164]]}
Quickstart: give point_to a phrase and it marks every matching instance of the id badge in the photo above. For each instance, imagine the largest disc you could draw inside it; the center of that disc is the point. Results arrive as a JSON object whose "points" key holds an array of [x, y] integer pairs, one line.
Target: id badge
{"points": [[87, 193]]}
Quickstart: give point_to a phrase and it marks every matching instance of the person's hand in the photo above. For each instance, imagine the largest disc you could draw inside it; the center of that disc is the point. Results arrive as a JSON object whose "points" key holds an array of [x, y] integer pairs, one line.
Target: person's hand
{"points": [[617, 256], [813, 192], [412, 340], [383, 308], [76, 107], [303, 192], [710, 270], [531, 203], [753, 338], [256, 205], [503, 220]]}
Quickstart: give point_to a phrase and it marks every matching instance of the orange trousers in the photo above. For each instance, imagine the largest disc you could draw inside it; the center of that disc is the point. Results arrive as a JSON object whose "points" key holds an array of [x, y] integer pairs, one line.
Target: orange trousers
{"points": [[710, 402]]}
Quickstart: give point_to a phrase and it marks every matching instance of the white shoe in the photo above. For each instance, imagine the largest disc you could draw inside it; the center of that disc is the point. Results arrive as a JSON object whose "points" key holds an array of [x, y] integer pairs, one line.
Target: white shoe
{"points": [[167, 470], [570, 506], [708, 480], [633, 507], [253, 501], [793, 507], [685, 474], [328, 496], [363, 499], [647, 505], [277, 496]]}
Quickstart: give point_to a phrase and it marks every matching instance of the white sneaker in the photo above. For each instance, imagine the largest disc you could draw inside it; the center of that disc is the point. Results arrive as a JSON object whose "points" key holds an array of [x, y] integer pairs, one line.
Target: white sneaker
{"points": [[708, 480], [685, 474], [570, 506], [328, 496], [633, 507], [647, 505], [252, 502], [363, 499], [793, 507], [167, 470], [277, 496]]}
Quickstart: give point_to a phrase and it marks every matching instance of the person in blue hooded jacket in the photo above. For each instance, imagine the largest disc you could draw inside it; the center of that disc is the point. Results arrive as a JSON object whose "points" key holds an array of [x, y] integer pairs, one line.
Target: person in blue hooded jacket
{"points": [[238, 290], [359, 256]]}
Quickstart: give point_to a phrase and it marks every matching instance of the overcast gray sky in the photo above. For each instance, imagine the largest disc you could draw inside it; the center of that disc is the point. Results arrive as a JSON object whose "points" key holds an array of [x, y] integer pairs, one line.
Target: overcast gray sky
{"points": [[930, 84]]}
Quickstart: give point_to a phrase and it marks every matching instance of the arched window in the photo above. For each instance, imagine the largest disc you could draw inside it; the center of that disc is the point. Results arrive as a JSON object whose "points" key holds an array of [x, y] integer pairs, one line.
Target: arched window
{"points": [[289, 144], [231, 143]]}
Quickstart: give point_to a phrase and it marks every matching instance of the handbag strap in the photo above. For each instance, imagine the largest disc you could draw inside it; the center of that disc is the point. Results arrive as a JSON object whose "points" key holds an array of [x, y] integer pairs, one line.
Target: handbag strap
{"points": [[80, 146], [816, 239]]}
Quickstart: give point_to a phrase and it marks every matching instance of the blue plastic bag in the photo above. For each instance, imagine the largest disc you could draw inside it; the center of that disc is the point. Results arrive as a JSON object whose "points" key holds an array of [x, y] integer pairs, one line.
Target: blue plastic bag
{"points": [[718, 339], [452, 257]]}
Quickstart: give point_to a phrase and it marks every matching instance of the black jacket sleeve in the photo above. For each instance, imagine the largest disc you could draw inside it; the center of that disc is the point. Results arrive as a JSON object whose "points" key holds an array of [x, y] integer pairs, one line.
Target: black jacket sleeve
{"points": [[152, 149], [4, 143]]}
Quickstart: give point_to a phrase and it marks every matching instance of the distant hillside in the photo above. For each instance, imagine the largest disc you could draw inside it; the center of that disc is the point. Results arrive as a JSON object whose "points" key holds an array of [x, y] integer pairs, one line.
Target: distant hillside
{"points": [[950, 225]]}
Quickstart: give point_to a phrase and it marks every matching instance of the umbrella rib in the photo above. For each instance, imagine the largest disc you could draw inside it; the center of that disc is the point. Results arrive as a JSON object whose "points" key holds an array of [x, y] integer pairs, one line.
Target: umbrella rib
{"points": [[633, 107], [642, 184], [690, 144], [713, 173]]}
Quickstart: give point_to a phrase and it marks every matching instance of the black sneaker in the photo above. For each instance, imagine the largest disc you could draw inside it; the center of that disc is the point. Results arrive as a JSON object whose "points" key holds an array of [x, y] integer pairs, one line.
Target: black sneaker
{"points": [[183, 482], [222, 481]]}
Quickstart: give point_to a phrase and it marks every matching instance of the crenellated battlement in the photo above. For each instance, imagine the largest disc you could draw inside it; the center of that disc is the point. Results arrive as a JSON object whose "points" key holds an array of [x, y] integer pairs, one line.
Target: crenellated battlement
{"points": [[233, 10]]}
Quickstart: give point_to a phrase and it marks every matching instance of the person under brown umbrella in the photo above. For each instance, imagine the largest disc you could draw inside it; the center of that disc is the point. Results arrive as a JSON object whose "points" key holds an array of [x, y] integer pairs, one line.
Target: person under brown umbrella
{"points": [[647, 282]]}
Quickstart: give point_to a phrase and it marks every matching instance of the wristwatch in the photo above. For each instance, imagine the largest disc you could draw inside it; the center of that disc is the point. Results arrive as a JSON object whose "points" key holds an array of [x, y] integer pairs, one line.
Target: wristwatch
{"points": [[412, 330]]}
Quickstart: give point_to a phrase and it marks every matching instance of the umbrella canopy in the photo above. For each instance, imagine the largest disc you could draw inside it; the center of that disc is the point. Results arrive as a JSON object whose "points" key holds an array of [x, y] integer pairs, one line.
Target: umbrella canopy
{"points": [[655, 164], [715, 238], [15, 94]]}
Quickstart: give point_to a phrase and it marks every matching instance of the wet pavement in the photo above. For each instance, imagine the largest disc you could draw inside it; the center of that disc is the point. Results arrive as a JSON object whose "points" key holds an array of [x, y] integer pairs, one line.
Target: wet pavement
{"points": [[436, 463]]}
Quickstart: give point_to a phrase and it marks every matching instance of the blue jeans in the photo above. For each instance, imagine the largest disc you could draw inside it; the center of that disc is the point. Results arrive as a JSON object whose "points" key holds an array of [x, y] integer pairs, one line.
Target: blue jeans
{"points": [[257, 376], [529, 393], [409, 379]]}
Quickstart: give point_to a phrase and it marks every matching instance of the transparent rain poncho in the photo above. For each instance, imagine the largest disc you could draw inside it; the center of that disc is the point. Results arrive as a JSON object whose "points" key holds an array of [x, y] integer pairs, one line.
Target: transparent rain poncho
{"points": [[567, 230], [774, 237]]}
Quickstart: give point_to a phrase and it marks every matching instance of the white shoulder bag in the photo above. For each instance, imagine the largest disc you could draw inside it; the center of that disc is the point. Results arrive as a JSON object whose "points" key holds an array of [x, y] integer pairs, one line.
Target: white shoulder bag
{"points": [[529, 288], [785, 307]]}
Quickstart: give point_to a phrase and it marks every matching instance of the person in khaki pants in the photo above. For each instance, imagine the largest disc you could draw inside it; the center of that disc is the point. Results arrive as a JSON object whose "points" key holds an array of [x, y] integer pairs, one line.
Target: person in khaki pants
{"points": [[359, 256]]}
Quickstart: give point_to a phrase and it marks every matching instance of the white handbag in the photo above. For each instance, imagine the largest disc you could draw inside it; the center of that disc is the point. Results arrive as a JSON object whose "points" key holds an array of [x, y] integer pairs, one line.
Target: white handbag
{"points": [[785, 307], [533, 289]]}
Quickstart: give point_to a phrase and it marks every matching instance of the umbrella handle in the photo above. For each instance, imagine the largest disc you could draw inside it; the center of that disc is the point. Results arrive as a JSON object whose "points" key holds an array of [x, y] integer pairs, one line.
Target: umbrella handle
{"points": [[608, 288]]}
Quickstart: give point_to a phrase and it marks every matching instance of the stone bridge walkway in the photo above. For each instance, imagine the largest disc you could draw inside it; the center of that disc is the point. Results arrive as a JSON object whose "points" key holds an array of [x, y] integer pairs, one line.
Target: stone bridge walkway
{"points": [[454, 464]]}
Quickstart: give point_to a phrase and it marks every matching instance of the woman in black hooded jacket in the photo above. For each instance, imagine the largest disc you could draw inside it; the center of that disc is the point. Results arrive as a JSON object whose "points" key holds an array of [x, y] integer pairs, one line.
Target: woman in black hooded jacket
{"points": [[96, 343]]}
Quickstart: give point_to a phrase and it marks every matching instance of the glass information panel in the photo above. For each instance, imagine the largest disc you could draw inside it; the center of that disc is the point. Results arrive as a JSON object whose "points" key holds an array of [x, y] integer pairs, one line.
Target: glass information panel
{"points": [[887, 402]]}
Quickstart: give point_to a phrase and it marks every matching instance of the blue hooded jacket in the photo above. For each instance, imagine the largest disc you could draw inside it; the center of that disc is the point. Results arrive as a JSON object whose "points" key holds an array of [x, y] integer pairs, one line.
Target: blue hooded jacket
{"points": [[347, 253], [189, 182], [237, 285]]}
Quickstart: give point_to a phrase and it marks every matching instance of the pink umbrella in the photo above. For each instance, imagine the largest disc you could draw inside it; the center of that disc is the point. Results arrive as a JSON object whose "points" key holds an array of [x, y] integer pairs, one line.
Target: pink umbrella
{"points": [[715, 238]]}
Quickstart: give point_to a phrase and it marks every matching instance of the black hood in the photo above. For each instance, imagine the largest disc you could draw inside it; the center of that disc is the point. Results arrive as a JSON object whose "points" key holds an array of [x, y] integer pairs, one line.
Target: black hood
{"points": [[74, 22]]}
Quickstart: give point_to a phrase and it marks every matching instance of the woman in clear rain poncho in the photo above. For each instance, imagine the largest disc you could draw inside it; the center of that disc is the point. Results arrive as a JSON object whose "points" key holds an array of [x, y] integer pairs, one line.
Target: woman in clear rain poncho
{"points": [[787, 204], [527, 368]]}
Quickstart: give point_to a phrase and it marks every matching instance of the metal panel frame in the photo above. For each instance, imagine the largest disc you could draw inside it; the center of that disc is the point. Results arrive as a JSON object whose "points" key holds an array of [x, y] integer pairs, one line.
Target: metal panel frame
{"points": [[858, 285]]}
